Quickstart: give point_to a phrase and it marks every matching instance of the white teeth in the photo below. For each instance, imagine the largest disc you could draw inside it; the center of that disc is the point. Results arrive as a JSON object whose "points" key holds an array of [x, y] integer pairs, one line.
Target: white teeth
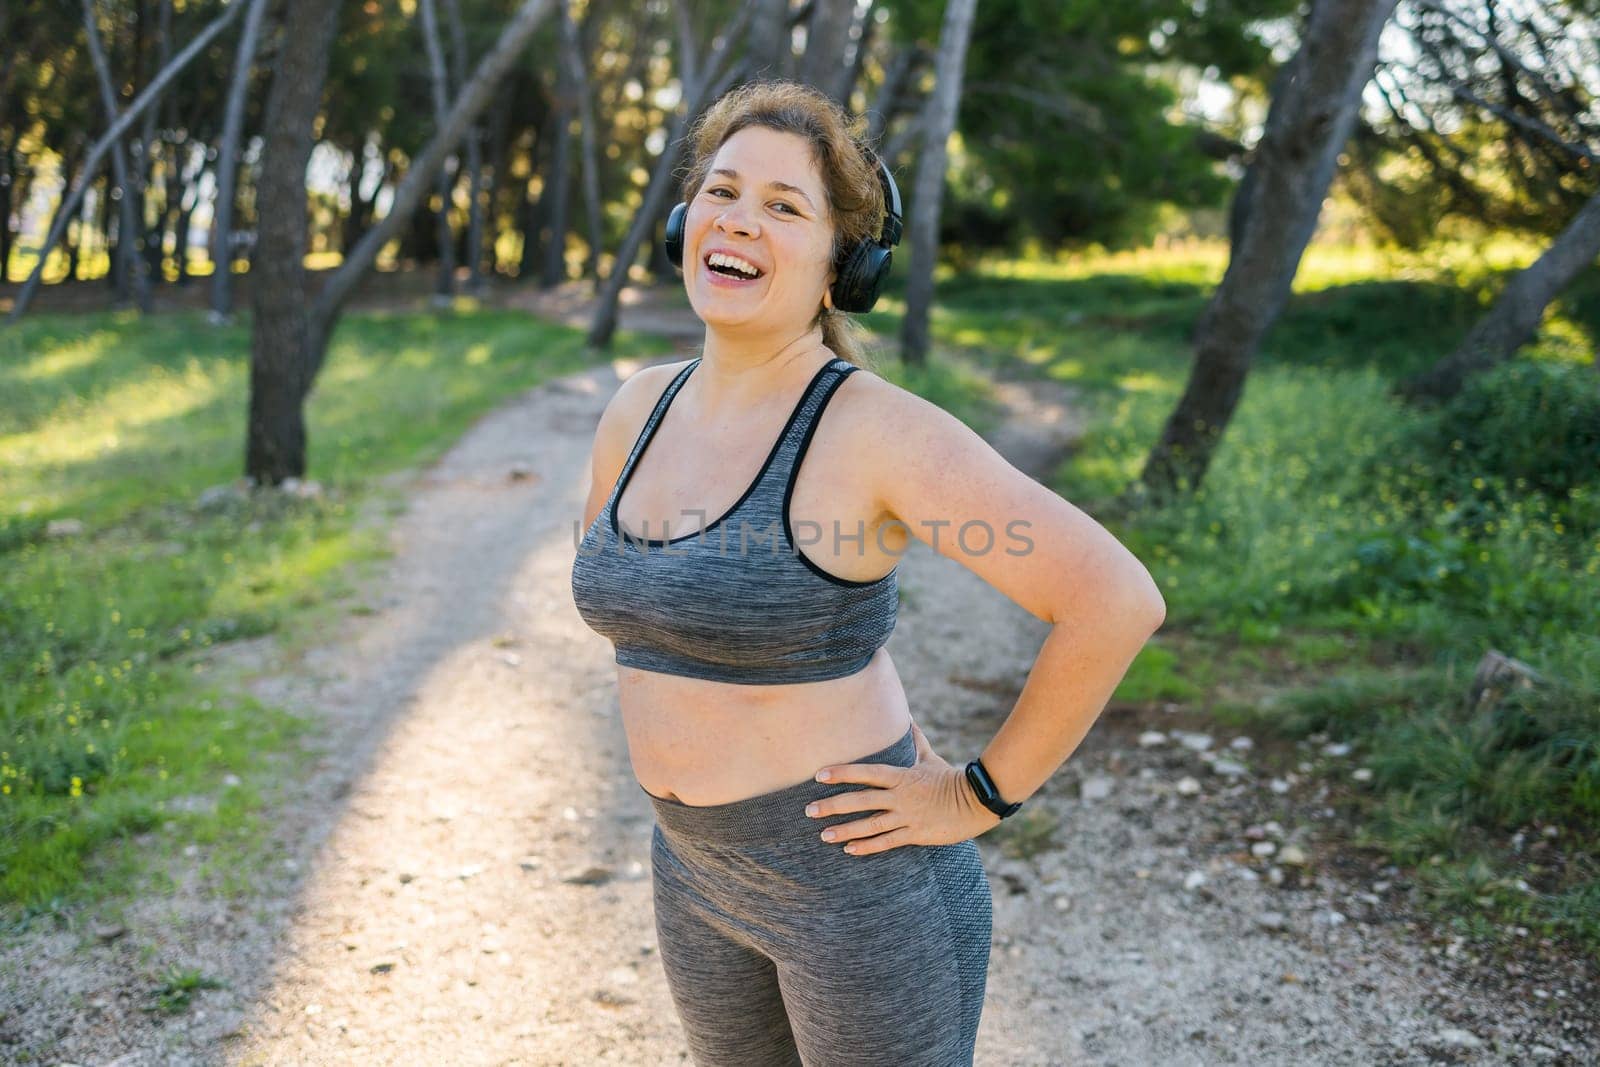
{"points": [[722, 259]]}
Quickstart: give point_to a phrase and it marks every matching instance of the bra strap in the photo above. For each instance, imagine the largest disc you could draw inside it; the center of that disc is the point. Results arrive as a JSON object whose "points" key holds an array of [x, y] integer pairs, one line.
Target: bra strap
{"points": [[658, 413]]}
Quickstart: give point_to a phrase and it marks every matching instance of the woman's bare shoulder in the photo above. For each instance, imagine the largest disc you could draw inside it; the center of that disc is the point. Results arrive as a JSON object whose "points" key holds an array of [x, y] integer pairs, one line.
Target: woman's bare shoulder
{"points": [[625, 414]]}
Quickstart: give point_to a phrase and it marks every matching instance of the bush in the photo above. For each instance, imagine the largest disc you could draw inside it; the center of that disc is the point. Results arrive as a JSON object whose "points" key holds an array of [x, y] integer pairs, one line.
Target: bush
{"points": [[1535, 420]]}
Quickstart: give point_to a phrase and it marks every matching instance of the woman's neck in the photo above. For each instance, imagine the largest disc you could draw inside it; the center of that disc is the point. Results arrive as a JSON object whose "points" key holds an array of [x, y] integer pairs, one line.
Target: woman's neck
{"points": [[736, 374]]}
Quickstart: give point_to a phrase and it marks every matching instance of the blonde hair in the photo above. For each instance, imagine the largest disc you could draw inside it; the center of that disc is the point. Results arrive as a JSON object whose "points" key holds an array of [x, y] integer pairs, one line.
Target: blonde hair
{"points": [[842, 154]]}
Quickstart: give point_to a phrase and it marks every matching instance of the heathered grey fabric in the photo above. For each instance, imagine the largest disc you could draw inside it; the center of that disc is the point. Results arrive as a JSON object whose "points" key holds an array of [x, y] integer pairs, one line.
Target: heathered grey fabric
{"points": [[736, 600], [782, 949]]}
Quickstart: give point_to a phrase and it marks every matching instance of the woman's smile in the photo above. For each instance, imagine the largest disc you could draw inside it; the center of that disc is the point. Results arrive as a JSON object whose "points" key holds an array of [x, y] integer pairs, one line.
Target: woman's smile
{"points": [[722, 270]]}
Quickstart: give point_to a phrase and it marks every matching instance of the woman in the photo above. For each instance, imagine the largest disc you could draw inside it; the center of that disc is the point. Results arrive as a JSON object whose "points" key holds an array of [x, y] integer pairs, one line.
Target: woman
{"points": [[819, 897]]}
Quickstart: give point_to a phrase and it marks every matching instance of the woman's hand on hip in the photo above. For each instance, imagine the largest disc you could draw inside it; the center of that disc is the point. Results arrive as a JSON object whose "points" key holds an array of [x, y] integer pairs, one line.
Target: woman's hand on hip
{"points": [[928, 803]]}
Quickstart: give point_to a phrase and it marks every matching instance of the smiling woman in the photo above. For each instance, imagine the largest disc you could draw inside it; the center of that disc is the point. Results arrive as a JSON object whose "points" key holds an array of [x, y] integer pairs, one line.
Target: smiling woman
{"points": [[757, 693]]}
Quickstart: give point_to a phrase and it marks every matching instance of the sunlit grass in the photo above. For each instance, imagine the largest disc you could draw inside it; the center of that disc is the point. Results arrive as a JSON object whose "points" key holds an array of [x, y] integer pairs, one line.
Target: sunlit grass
{"points": [[119, 423]]}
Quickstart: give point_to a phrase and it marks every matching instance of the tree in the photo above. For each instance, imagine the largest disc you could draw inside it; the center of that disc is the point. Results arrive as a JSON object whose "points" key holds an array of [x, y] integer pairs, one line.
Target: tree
{"points": [[290, 340], [228, 163], [1514, 318], [97, 152], [440, 79], [929, 188], [702, 85], [1307, 125]]}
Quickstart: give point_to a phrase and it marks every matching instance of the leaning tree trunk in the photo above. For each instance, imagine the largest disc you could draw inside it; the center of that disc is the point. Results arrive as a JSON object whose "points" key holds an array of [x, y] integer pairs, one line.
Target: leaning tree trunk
{"points": [[705, 90], [1307, 125], [474, 97], [275, 446], [928, 192], [228, 164], [1515, 316], [446, 287]]}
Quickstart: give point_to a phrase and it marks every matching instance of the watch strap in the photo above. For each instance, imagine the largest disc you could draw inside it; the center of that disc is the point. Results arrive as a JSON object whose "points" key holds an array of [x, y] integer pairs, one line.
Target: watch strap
{"points": [[984, 787]]}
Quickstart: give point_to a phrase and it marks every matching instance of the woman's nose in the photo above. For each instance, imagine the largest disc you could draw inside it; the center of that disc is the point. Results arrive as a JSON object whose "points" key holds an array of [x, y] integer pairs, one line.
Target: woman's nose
{"points": [[734, 220]]}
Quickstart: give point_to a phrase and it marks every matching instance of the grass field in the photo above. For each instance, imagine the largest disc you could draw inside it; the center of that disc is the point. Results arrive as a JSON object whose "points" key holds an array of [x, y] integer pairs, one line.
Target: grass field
{"points": [[1337, 576], [110, 723]]}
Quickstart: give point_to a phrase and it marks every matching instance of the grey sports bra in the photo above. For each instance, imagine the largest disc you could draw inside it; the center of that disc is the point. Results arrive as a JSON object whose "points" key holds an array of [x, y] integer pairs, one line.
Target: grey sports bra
{"points": [[734, 600]]}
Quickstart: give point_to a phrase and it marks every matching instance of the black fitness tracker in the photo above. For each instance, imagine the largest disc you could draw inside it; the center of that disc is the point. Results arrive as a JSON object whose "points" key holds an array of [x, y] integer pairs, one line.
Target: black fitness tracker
{"points": [[983, 785]]}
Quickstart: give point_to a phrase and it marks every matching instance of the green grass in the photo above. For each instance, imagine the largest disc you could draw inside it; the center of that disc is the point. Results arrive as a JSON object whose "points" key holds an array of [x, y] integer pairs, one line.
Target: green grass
{"points": [[112, 726], [1332, 567]]}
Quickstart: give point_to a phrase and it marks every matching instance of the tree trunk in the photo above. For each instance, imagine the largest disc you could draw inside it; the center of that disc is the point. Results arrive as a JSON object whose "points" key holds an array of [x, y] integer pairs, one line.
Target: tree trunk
{"points": [[475, 96], [475, 180], [770, 40], [228, 164], [150, 241], [558, 184], [827, 39], [1514, 319], [578, 55], [1308, 123], [705, 90], [915, 335], [446, 287], [123, 262], [275, 446], [7, 179], [494, 195]]}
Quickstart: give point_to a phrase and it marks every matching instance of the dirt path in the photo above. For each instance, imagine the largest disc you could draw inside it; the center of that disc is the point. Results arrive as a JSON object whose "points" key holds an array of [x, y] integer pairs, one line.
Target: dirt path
{"points": [[464, 879]]}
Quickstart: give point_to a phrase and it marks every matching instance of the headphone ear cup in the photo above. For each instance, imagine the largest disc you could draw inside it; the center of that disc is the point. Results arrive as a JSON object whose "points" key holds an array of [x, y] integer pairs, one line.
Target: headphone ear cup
{"points": [[673, 239], [861, 278]]}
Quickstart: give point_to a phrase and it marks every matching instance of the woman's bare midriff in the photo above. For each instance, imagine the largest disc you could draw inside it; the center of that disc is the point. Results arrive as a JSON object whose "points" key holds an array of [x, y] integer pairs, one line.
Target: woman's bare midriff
{"points": [[701, 742]]}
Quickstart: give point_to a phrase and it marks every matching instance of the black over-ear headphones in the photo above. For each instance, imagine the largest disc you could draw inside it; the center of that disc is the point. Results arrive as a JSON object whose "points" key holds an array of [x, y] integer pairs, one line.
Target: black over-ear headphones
{"points": [[861, 270]]}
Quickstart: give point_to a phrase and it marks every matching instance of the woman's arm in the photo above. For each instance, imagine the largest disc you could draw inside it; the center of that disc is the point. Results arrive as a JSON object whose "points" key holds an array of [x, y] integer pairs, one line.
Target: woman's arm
{"points": [[958, 495]]}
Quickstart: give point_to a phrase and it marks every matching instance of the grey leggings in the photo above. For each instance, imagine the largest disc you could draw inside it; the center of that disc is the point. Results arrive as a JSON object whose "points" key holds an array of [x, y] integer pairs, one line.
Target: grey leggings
{"points": [[782, 949]]}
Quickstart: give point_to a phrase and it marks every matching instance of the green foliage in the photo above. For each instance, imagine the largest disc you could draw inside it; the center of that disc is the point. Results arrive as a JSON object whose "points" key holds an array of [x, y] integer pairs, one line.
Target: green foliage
{"points": [[177, 987], [1344, 561], [1066, 126], [1533, 423]]}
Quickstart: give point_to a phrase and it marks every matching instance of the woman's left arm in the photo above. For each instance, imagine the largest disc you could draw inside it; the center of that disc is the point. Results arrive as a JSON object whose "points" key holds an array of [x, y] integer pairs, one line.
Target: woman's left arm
{"points": [[954, 492]]}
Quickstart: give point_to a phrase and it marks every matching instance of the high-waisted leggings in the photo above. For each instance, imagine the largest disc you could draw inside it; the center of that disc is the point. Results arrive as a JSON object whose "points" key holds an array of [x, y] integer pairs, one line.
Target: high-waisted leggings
{"points": [[782, 949]]}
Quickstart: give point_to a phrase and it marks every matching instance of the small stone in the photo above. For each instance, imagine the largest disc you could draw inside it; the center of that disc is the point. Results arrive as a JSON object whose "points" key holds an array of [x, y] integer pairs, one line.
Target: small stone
{"points": [[1275, 875], [1457, 1040], [1336, 748], [1292, 856], [1152, 738], [1270, 920], [107, 932], [1194, 880], [63, 528], [1188, 786], [1062, 903], [1362, 774], [1242, 744], [591, 875], [1193, 741], [1230, 768], [1263, 849], [1096, 787]]}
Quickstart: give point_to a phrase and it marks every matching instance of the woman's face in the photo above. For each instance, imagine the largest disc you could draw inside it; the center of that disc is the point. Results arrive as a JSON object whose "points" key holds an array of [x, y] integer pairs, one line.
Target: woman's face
{"points": [[762, 202]]}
